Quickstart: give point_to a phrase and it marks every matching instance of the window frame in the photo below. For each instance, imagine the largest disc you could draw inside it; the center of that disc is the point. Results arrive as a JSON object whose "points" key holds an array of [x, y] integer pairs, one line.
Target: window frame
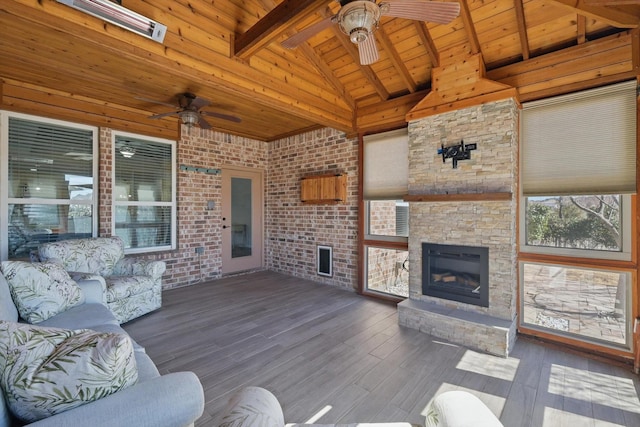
{"points": [[173, 203], [380, 237], [571, 337], [5, 200], [625, 254], [586, 259]]}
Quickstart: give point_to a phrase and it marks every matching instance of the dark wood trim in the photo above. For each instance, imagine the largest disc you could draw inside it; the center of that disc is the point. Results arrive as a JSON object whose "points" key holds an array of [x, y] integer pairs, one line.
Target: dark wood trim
{"points": [[272, 25], [385, 244], [361, 219], [459, 197], [577, 261], [382, 296]]}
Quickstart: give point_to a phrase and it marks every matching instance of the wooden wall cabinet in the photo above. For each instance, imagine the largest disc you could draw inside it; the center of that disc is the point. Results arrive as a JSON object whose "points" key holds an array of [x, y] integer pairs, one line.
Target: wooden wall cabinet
{"points": [[323, 189]]}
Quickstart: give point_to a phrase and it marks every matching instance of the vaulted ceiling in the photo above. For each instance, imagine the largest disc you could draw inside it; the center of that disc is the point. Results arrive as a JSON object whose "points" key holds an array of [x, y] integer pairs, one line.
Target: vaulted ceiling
{"points": [[59, 62]]}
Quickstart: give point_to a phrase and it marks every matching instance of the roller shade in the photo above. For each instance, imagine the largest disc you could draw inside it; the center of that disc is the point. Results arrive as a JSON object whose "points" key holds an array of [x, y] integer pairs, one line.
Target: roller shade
{"points": [[386, 165], [582, 143]]}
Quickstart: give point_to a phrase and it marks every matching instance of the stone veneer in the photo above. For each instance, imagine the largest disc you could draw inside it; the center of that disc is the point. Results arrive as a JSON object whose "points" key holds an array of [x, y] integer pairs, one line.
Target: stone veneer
{"points": [[493, 167]]}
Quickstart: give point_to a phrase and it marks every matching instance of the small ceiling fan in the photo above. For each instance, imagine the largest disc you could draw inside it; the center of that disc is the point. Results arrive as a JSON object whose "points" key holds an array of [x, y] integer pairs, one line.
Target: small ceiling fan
{"points": [[188, 109], [360, 18]]}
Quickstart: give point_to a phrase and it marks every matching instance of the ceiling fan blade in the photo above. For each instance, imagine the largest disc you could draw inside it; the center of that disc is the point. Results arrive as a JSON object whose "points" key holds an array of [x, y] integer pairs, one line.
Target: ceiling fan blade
{"points": [[422, 10], [198, 103], [305, 34], [221, 116], [158, 116], [203, 123], [153, 101], [368, 50]]}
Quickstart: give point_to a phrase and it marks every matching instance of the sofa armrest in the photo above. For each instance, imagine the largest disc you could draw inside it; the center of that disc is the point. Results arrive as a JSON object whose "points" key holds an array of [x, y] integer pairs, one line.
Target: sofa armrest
{"points": [[139, 267], [95, 291], [172, 400]]}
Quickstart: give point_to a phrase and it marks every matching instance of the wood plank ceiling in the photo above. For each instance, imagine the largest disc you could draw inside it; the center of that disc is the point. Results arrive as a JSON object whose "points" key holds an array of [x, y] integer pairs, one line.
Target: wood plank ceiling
{"points": [[59, 62]]}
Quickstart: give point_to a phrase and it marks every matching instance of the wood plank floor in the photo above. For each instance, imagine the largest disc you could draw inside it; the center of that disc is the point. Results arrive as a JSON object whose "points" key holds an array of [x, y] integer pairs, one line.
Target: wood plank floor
{"points": [[321, 348]]}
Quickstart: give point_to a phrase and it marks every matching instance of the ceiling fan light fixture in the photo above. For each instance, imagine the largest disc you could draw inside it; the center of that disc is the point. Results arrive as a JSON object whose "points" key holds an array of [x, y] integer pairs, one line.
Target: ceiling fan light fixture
{"points": [[127, 151], [189, 118], [358, 19]]}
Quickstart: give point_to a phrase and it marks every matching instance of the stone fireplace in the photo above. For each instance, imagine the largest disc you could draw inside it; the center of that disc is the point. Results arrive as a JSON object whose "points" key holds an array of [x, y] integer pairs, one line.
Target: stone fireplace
{"points": [[472, 205]]}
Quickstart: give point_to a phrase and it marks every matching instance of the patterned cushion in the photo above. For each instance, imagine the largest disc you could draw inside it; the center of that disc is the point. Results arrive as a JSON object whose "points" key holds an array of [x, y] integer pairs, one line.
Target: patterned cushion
{"points": [[252, 407], [461, 409], [45, 371], [40, 290], [96, 255]]}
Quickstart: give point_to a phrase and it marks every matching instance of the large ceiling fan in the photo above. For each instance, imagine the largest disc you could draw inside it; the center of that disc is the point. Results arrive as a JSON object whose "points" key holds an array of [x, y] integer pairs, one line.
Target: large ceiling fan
{"points": [[188, 109], [360, 18]]}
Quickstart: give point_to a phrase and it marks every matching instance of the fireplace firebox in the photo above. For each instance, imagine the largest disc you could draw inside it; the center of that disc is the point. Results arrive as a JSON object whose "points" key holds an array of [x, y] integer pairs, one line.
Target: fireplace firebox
{"points": [[456, 273]]}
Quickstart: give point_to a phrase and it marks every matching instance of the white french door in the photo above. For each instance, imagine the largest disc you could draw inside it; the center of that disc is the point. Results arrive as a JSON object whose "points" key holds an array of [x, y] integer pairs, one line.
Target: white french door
{"points": [[242, 218]]}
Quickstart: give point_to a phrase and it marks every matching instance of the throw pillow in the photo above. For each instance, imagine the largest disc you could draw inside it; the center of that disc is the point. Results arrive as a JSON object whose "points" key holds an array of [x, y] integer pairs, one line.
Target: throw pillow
{"points": [[45, 371], [40, 290]]}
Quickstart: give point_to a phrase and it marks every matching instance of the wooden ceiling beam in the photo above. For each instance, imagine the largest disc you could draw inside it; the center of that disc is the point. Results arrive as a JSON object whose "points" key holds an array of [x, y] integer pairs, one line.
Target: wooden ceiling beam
{"points": [[612, 16], [465, 13], [322, 67], [522, 29], [581, 24], [371, 77], [273, 25], [427, 42], [395, 59]]}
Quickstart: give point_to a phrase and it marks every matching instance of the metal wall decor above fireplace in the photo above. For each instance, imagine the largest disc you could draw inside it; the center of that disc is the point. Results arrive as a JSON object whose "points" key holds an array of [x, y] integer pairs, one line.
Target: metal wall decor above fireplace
{"points": [[456, 273]]}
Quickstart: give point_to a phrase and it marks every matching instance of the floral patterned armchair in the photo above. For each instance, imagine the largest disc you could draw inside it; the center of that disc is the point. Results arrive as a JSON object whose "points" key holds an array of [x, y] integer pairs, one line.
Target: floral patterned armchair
{"points": [[132, 287]]}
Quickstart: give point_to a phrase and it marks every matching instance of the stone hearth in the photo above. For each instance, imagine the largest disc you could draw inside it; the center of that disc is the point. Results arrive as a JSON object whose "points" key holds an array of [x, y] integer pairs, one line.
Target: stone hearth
{"points": [[480, 220]]}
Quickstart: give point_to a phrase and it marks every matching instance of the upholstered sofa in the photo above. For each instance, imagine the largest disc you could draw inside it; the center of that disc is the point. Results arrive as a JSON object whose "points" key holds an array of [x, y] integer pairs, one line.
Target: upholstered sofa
{"points": [[133, 286], [44, 372], [258, 407]]}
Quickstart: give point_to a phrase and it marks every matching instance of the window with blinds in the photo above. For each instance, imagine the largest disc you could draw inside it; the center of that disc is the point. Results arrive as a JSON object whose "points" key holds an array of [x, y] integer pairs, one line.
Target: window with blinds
{"points": [[386, 165], [578, 163], [581, 143], [144, 188], [50, 174], [385, 175]]}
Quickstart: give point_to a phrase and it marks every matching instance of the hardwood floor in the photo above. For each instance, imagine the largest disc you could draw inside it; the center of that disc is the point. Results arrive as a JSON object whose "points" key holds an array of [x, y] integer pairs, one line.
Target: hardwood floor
{"points": [[321, 348]]}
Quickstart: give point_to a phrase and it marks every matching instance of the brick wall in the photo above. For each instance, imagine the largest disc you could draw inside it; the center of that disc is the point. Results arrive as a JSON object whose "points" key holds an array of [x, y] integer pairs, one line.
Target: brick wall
{"points": [[294, 229], [196, 226]]}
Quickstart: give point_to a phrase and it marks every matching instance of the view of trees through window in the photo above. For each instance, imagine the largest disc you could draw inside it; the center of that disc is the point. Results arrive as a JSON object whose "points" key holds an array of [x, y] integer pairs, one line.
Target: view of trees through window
{"points": [[574, 222]]}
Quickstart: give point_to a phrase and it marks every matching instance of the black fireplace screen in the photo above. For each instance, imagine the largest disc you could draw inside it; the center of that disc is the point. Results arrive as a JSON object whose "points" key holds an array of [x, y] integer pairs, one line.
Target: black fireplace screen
{"points": [[457, 273]]}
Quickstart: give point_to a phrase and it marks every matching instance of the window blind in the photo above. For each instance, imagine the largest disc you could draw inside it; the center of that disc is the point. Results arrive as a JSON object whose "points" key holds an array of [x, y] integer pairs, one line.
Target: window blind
{"points": [[386, 165], [581, 143], [49, 161], [145, 176]]}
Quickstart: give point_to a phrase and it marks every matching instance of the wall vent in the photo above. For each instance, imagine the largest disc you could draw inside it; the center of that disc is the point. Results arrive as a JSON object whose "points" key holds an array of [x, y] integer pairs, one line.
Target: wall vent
{"points": [[325, 261]]}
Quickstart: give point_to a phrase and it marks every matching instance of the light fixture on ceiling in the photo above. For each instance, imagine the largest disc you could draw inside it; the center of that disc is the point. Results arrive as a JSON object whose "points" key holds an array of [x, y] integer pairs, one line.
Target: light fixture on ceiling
{"points": [[112, 12], [358, 19], [127, 151], [189, 117]]}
